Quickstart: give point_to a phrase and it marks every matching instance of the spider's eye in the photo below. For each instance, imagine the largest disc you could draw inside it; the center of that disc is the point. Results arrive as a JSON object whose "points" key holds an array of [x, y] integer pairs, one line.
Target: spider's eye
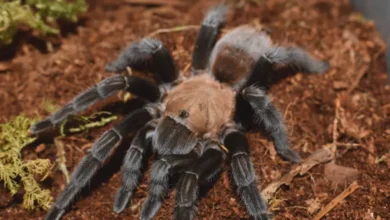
{"points": [[184, 114]]}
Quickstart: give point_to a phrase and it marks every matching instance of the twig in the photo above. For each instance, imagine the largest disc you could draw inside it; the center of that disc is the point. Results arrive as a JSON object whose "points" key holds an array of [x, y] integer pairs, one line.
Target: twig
{"points": [[187, 67], [61, 160], [336, 201], [174, 29], [364, 69], [156, 2], [348, 145], [333, 145], [320, 156], [356, 82], [340, 117]]}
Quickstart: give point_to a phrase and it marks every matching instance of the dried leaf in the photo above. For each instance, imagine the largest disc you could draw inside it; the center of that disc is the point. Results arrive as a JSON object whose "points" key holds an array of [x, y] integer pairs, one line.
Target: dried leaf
{"points": [[313, 205], [340, 175], [320, 156]]}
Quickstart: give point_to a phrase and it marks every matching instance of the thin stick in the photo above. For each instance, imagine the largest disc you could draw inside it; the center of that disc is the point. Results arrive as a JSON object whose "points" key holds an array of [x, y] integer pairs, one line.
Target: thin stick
{"points": [[336, 200], [335, 135], [174, 29], [363, 70], [358, 78], [61, 160]]}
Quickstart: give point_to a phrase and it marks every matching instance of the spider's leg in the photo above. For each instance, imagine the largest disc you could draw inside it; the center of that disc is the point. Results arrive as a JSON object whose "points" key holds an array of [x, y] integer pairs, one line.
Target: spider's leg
{"points": [[159, 175], [297, 57], [267, 116], [207, 37], [203, 169], [132, 164], [151, 52], [243, 173], [102, 90], [100, 152]]}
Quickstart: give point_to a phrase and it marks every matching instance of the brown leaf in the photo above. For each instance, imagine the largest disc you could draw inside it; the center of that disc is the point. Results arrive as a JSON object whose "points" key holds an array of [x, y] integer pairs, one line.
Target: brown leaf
{"points": [[318, 157], [340, 174], [350, 127]]}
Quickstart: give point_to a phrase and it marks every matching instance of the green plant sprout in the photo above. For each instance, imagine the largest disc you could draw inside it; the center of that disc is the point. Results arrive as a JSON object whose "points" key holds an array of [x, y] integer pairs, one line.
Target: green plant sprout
{"points": [[17, 173], [36, 14], [89, 122]]}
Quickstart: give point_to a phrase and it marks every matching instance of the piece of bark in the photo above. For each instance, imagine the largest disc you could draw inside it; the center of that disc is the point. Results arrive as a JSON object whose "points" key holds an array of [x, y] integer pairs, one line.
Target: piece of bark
{"points": [[340, 175], [320, 156]]}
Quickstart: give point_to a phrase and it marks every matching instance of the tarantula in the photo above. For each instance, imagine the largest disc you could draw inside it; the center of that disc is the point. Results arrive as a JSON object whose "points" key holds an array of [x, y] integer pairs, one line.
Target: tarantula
{"points": [[188, 122]]}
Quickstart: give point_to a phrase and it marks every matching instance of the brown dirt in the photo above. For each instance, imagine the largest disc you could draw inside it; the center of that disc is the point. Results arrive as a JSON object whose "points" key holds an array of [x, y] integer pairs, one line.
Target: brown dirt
{"points": [[328, 29]]}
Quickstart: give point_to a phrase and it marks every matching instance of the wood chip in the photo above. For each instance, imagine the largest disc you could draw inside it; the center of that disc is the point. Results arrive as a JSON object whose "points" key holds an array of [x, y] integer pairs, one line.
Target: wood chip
{"points": [[313, 205], [340, 85], [40, 148]]}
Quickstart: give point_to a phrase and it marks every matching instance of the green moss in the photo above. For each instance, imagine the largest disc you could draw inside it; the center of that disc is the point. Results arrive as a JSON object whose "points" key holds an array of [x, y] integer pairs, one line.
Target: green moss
{"points": [[16, 173], [97, 119], [36, 14]]}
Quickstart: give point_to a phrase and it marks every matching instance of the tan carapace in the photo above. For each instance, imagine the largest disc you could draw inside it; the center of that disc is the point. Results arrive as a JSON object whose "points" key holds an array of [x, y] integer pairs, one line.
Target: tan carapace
{"points": [[202, 104]]}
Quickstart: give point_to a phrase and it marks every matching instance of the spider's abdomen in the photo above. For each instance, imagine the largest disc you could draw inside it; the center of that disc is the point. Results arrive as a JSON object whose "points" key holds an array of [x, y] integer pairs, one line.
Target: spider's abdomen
{"points": [[235, 54], [202, 104]]}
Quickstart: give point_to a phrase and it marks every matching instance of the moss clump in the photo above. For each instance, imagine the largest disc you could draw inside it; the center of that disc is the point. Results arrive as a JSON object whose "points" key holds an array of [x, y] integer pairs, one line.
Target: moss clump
{"points": [[36, 14], [16, 173]]}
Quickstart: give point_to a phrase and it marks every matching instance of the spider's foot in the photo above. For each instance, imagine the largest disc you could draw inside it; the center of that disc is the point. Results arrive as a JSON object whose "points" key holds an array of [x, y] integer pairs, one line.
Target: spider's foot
{"points": [[262, 216], [54, 214], [41, 126], [122, 199], [111, 68], [290, 155], [150, 207], [183, 213], [321, 67]]}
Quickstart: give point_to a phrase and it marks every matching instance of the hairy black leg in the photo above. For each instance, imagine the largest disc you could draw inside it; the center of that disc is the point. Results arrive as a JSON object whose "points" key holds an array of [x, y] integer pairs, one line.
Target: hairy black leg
{"points": [[203, 169], [297, 57], [261, 75], [209, 30], [131, 168], [100, 152], [102, 90], [159, 181], [267, 116], [150, 52], [243, 173]]}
